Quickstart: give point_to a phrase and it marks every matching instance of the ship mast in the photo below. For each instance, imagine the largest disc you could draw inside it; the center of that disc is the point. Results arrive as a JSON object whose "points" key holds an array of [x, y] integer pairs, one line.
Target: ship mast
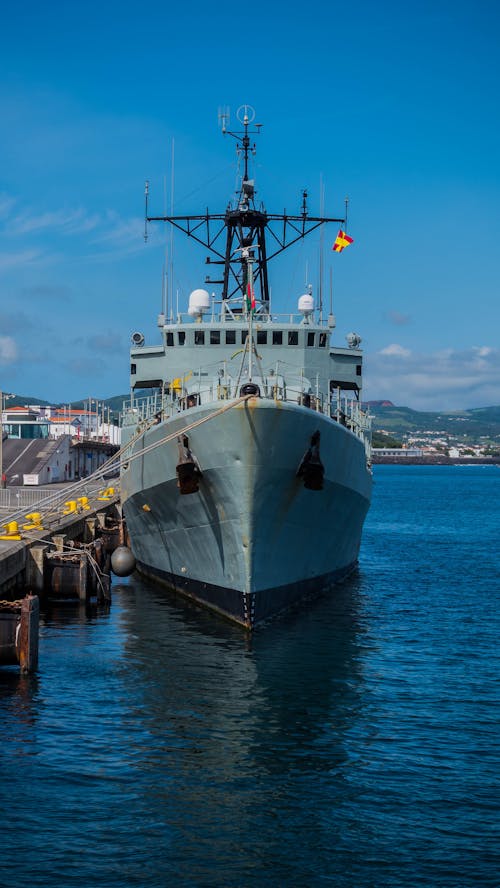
{"points": [[246, 227]]}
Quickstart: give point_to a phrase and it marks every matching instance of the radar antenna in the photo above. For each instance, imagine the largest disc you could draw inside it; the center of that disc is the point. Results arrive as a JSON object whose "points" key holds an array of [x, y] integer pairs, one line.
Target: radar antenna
{"points": [[244, 225]]}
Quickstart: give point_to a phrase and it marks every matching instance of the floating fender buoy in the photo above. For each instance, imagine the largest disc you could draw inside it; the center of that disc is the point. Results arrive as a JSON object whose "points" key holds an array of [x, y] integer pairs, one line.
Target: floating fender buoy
{"points": [[122, 562]]}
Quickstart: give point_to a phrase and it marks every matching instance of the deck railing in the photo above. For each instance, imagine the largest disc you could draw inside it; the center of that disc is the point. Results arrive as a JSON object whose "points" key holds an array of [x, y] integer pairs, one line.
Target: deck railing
{"points": [[216, 382]]}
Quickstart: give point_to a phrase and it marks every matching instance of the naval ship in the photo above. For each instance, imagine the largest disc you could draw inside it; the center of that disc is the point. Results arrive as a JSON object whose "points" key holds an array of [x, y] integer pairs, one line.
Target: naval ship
{"points": [[246, 475]]}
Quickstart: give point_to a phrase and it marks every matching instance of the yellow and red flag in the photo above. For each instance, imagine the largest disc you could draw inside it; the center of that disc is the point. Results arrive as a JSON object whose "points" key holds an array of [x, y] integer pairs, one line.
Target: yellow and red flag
{"points": [[342, 241]]}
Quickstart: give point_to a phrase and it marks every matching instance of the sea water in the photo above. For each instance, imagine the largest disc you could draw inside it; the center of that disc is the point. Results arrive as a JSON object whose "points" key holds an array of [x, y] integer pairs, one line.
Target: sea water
{"points": [[350, 743]]}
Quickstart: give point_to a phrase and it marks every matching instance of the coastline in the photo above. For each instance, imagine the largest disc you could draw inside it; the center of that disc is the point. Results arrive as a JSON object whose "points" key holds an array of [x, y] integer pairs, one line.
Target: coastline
{"points": [[437, 460]]}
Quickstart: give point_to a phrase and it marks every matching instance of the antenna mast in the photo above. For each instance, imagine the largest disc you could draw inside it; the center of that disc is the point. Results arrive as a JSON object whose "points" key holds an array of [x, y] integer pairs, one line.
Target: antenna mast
{"points": [[244, 225]]}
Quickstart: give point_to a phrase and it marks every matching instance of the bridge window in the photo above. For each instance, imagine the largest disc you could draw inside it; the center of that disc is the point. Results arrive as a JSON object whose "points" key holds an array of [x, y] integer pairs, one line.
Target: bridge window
{"points": [[230, 337], [323, 339], [261, 337], [133, 369], [181, 337], [214, 337], [277, 337], [244, 336], [293, 337], [358, 369], [311, 338], [170, 338], [199, 337]]}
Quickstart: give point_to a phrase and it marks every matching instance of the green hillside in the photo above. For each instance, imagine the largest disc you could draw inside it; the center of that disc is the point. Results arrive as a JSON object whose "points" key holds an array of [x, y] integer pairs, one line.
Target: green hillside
{"points": [[24, 400], [475, 423]]}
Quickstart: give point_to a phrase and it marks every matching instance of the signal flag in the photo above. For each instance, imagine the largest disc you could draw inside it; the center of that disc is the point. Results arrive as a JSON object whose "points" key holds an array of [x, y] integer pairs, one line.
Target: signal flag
{"points": [[342, 241]]}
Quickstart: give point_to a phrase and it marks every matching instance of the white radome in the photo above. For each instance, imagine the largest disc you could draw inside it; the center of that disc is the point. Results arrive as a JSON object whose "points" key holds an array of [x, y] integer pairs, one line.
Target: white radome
{"points": [[306, 304], [199, 302]]}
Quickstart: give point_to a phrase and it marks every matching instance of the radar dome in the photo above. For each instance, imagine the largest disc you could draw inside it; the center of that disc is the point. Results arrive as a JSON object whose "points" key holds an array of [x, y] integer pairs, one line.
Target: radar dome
{"points": [[306, 304], [199, 301], [353, 340]]}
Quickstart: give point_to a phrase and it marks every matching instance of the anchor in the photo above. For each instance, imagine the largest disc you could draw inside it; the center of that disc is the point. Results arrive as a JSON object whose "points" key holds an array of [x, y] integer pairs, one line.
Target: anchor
{"points": [[187, 469], [311, 469]]}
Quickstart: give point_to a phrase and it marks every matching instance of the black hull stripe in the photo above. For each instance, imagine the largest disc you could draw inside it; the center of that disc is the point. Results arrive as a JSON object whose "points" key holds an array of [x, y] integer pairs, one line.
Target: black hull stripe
{"points": [[248, 610]]}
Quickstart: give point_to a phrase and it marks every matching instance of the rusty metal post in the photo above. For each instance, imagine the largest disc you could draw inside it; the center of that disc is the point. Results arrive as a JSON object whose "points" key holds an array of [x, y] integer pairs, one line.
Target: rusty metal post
{"points": [[82, 580], [27, 645]]}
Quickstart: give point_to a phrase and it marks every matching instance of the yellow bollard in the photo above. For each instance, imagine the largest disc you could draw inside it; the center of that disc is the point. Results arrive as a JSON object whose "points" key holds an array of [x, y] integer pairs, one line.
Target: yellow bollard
{"points": [[83, 502], [70, 507], [11, 531], [106, 494], [36, 521]]}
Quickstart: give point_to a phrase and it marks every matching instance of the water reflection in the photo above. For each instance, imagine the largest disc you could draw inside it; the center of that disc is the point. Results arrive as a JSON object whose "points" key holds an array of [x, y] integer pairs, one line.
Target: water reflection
{"points": [[16, 694], [192, 748], [238, 727]]}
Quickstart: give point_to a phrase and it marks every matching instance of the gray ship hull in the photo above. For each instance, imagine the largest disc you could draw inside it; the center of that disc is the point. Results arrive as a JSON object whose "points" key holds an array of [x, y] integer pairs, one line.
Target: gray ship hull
{"points": [[253, 539]]}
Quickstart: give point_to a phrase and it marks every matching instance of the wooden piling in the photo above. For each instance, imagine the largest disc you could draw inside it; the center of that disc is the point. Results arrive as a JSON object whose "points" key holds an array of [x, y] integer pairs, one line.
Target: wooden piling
{"points": [[27, 647], [59, 540]]}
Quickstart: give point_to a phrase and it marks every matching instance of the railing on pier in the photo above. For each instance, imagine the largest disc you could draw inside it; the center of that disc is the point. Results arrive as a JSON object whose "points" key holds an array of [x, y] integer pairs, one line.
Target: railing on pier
{"points": [[50, 504], [20, 498]]}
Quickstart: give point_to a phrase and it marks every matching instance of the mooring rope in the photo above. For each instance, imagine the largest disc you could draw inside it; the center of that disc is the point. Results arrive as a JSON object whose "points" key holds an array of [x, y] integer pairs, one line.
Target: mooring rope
{"points": [[187, 429], [44, 507]]}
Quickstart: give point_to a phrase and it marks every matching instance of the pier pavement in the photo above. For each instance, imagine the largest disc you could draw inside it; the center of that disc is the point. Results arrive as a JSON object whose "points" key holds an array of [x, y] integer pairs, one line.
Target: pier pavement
{"points": [[19, 566]]}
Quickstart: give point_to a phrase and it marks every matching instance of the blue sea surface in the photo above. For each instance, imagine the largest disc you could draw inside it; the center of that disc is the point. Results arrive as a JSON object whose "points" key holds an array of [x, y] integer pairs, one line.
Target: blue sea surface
{"points": [[354, 742]]}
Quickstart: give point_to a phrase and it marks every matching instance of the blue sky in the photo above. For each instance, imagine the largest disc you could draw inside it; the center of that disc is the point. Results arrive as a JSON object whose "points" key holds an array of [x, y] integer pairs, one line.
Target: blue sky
{"points": [[395, 105]]}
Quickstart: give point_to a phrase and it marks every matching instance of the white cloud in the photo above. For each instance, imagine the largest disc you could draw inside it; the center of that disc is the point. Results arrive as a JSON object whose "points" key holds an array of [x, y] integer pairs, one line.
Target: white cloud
{"points": [[443, 380], [483, 350], [121, 232], [395, 350], [8, 350], [68, 221], [107, 235], [22, 257]]}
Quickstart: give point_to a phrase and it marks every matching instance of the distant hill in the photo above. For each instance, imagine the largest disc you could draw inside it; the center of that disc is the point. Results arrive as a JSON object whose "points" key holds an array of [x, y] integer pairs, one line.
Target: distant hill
{"points": [[378, 404], [24, 400], [474, 423], [115, 403]]}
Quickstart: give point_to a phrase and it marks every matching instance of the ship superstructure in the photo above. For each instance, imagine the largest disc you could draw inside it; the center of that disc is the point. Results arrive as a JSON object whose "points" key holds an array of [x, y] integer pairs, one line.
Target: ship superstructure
{"points": [[247, 477]]}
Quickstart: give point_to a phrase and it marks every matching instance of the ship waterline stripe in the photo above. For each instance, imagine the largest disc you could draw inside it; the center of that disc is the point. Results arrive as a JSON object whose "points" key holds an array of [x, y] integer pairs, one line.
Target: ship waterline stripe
{"points": [[214, 597]]}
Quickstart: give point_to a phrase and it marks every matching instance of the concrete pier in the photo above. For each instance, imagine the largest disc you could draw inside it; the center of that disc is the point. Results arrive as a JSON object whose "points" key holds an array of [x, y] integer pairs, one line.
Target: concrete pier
{"points": [[22, 561]]}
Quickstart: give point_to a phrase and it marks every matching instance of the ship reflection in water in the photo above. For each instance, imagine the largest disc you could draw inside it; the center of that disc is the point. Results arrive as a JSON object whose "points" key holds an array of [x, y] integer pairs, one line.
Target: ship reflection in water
{"points": [[246, 736]]}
